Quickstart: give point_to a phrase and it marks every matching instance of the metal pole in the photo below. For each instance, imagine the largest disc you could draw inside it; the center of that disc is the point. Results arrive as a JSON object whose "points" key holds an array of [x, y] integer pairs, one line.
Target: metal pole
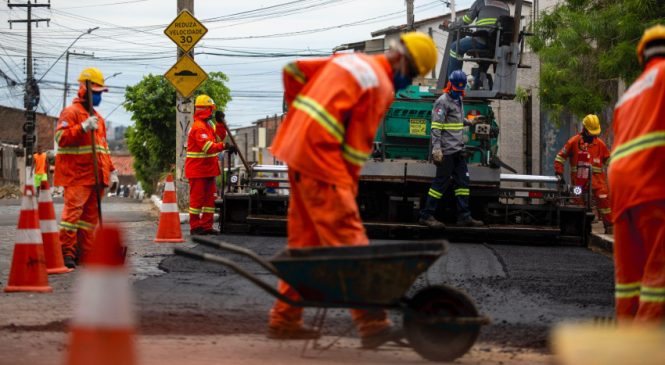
{"points": [[184, 118], [64, 93], [91, 112], [409, 14]]}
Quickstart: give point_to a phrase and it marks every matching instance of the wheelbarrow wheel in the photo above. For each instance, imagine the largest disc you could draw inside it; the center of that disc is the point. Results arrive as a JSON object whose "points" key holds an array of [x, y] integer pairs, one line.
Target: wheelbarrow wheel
{"points": [[440, 341]]}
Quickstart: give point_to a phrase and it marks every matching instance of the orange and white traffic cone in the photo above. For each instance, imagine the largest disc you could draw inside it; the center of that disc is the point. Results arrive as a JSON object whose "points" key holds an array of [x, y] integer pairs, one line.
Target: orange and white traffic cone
{"points": [[102, 330], [169, 218], [28, 271], [55, 263]]}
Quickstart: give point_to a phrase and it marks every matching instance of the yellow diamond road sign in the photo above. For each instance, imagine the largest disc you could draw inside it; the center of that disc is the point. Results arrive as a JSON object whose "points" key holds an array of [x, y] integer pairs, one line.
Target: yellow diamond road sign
{"points": [[186, 76], [185, 30]]}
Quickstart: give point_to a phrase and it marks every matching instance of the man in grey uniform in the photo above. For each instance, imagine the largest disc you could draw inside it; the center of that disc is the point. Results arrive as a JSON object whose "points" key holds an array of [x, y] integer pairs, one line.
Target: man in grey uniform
{"points": [[448, 154], [485, 12]]}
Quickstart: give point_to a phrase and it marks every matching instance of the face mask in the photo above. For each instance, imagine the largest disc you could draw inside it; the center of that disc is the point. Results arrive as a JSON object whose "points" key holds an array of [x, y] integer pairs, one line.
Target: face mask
{"points": [[455, 94], [401, 81], [96, 98], [588, 138]]}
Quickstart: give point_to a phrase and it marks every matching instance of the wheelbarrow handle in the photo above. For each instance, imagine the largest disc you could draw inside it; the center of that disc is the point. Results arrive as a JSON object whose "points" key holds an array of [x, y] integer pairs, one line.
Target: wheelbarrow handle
{"points": [[247, 275], [236, 249]]}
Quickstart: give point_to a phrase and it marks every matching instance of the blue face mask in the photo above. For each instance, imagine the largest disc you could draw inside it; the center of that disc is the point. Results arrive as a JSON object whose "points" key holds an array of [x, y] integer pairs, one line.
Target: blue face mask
{"points": [[401, 81], [96, 98], [455, 94]]}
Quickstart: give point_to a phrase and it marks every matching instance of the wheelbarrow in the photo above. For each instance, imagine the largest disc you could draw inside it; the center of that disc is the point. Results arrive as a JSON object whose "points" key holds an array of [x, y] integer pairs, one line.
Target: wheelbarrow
{"points": [[440, 323]]}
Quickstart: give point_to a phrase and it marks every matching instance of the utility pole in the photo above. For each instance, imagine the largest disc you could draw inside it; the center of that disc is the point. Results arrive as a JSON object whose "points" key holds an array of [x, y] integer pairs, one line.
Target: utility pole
{"points": [[64, 93], [453, 12], [409, 15], [184, 118], [31, 97]]}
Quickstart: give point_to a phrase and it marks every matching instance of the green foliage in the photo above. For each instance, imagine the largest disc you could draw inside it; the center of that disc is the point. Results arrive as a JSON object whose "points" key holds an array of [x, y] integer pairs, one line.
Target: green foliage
{"points": [[585, 46], [151, 140]]}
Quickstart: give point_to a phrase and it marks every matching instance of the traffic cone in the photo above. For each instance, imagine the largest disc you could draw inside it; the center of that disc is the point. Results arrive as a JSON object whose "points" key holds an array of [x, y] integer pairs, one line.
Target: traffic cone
{"points": [[169, 218], [102, 330], [55, 263], [28, 271]]}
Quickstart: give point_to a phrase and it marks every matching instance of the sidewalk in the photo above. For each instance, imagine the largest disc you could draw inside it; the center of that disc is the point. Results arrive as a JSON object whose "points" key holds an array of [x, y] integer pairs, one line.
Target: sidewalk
{"points": [[601, 240]]}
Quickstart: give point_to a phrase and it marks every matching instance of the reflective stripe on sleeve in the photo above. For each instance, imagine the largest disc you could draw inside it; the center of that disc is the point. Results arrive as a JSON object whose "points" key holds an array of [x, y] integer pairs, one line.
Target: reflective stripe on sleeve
{"points": [[293, 70], [437, 125], [641, 143], [558, 158], [652, 294], [317, 112], [453, 126], [353, 155], [629, 290], [207, 146]]}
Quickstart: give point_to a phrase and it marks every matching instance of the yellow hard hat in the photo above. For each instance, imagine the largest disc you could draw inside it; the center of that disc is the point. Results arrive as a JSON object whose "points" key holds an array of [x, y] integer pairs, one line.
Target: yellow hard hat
{"points": [[96, 78], [644, 51], [204, 101], [421, 50], [592, 124]]}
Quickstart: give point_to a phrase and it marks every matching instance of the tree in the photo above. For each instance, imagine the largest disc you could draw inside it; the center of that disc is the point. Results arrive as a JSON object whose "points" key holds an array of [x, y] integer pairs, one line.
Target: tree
{"points": [[586, 46], [151, 140]]}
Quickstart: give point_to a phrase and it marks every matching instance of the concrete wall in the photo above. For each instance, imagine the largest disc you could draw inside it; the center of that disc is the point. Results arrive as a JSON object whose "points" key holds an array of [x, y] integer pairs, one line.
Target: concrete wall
{"points": [[11, 127]]}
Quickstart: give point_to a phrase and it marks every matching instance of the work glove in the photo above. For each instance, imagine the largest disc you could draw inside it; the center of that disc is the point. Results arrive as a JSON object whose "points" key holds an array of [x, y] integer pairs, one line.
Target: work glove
{"points": [[437, 156], [560, 180], [230, 149], [90, 124], [114, 181]]}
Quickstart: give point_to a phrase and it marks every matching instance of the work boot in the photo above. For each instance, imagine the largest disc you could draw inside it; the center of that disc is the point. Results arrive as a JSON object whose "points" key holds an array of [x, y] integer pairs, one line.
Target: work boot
{"points": [[385, 335], [70, 262], [211, 232], [197, 232], [470, 222], [431, 222], [297, 333]]}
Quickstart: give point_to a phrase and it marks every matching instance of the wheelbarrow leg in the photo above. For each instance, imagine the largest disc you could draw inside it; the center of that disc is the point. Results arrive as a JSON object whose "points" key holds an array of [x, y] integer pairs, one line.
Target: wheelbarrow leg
{"points": [[319, 319], [317, 325]]}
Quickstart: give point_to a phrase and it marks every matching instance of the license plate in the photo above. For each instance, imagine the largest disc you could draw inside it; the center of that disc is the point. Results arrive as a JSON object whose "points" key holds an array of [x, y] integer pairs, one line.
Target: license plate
{"points": [[418, 127]]}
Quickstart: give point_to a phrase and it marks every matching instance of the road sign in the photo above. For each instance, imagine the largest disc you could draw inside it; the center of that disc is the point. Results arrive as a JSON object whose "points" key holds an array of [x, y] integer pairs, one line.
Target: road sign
{"points": [[186, 76], [185, 30]]}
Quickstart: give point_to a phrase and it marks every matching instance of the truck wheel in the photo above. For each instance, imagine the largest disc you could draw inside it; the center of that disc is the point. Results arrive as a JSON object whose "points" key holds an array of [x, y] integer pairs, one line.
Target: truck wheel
{"points": [[440, 341]]}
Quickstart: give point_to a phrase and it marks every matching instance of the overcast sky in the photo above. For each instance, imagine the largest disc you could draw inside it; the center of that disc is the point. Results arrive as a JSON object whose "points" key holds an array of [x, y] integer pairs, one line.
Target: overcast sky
{"points": [[242, 40]]}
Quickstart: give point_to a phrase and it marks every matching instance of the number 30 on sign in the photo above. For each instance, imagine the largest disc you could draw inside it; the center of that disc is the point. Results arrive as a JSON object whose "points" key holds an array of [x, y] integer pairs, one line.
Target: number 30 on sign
{"points": [[185, 30]]}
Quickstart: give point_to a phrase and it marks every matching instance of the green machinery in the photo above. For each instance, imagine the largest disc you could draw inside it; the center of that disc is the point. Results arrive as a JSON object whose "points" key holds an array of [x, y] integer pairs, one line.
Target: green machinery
{"points": [[394, 182]]}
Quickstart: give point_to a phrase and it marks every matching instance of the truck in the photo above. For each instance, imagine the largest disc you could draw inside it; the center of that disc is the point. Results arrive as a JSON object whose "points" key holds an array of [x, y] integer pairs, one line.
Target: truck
{"points": [[395, 180]]}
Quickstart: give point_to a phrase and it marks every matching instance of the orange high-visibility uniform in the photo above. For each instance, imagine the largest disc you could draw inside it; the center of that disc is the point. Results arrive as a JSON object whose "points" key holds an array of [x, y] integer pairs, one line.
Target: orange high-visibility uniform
{"points": [[39, 164], [335, 107], [598, 155], [204, 142], [75, 173], [637, 177]]}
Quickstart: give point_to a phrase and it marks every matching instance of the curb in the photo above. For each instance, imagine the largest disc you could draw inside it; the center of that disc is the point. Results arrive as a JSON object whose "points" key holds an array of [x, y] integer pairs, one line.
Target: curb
{"points": [[184, 217], [602, 241]]}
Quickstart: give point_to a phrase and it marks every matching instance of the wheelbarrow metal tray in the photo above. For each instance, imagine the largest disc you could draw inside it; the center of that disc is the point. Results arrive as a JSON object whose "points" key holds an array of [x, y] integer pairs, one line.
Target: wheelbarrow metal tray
{"points": [[375, 275]]}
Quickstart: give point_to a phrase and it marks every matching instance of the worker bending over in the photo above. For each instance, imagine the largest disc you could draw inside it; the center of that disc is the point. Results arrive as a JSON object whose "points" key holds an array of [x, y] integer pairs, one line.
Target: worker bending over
{"points": [[335, 107]]}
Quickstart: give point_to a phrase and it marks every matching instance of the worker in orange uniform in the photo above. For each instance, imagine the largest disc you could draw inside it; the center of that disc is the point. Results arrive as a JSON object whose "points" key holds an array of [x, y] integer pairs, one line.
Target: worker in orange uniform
{"points": [[204, 142], [588, 153], [637, 178], [335, 107], [40, 167], [76, 171]]}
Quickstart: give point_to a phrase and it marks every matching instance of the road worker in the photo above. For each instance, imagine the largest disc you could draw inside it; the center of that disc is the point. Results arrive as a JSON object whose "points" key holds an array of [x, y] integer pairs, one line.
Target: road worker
{"points": [[484, 13], [588, 154], [637, 178], [335, 106], [448, 154], [76, 171], [204, 142], [40, 168]]}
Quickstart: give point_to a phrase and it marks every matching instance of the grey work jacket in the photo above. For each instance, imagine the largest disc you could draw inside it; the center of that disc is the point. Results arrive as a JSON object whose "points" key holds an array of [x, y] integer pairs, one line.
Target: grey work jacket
{"points": [[448, 123], [486, 12]]}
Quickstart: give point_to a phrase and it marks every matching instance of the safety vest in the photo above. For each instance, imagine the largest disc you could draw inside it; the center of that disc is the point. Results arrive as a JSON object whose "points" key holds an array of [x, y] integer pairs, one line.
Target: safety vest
{"points": [[335, 107], [583, 156], [637, 166], [204, 143], [74, 165], [40, 163]]}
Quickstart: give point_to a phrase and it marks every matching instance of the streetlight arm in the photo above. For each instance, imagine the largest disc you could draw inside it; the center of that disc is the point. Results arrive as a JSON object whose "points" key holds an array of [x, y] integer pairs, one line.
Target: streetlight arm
{"points": [[90, 30]]}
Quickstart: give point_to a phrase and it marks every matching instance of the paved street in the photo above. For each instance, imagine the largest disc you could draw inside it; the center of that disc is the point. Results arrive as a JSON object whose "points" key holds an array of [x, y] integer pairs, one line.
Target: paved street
{"points": [[198, 313]]}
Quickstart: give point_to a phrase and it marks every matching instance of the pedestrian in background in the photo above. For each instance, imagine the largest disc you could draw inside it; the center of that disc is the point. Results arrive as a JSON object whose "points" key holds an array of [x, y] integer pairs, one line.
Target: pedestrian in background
{"points": [[40, 167], [637, 179], [335, 107], [75, 167]]}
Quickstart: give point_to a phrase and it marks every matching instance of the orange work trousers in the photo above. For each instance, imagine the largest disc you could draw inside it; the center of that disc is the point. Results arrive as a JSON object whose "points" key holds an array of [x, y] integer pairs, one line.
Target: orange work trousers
{"points": [[321, 214], [79, 219], [639, 257], [601, 198], [202, 202]]}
